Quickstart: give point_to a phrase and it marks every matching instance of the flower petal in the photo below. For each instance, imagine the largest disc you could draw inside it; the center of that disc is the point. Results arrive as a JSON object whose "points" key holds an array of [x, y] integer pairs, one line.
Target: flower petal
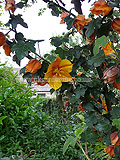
{"points": [[33, 66], [66, 65], [54, 64], [65, 76], [55, 83]]}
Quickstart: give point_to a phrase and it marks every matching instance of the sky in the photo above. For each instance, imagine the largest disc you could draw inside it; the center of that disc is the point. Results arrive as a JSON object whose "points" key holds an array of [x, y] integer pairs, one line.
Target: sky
{"points": [[39, 27]]}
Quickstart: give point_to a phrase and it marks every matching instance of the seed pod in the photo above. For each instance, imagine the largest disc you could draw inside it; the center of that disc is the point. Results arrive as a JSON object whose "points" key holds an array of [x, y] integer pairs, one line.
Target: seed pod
{"points": [[110, 74], [116, 25]]}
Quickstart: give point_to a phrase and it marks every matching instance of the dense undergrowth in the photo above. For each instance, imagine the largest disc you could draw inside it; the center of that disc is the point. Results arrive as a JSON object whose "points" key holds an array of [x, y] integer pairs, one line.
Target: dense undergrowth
{"points": [[32, 128]]}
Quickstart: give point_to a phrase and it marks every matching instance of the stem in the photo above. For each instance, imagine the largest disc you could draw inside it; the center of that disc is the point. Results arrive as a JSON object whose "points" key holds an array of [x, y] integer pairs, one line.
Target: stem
{"points": [[105, 89], [62, 8], [41, 58], [39, 49], [79, 144]]}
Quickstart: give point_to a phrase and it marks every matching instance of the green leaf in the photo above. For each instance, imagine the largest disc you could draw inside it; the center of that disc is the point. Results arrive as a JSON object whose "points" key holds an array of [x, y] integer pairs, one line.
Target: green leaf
{"points": [[19, 36], [50, 57], [57, 41], [78, 132], [94, 24], [20, 5], [28, 77], [103, 125], [79, 92], [70, 141], [22, 70], [61, 52], [15, 20], [98, 59], [31, 46], [15, 59], [115, 113], [81, 117], [117, 152], [102, 41], [20, 49], [90, 28], [1, 119], [88, 106], [116, 122], [118, 80], [69, 21], [114, 4]]}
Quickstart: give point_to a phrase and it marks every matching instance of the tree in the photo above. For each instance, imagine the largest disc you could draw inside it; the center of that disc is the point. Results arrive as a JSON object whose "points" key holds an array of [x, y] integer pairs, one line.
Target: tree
{"points": [[91, 69]]}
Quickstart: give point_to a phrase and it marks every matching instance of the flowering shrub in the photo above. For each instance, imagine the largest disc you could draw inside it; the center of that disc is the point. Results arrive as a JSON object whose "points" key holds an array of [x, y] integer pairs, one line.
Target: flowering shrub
{"points": [[96, 56]]}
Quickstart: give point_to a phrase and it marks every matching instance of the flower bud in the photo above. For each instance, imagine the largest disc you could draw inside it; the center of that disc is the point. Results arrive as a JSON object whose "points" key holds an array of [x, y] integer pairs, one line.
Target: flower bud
{"points": [[110, 74], [116, 25], [90, 40], [109, 150]]}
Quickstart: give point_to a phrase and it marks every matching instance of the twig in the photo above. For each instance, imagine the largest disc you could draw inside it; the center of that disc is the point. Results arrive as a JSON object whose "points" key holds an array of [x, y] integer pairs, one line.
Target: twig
{"points": [[79, 144], [41, 58], [29, 154], [39, 49]]}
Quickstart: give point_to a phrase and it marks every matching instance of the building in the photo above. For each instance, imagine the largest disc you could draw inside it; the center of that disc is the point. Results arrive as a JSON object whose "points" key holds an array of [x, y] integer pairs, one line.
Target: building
{"points": [[43, 91]]}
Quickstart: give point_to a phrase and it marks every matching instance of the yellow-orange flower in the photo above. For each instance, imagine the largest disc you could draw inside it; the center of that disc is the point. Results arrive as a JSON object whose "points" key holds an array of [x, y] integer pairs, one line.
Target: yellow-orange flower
{"points": [[101, 7], [10, 5], [109, 150], [7, 49], [104, 104], [108, 49], [116, 25], [33, 66], [110, 74], [80, 22], [63, 15], [115, 141], [58, 72], [2, 39]]}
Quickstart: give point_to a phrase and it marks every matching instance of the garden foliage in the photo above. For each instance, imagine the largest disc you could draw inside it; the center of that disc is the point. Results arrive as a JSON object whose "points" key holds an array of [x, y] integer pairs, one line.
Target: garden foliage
{"points": [[87, 73]]}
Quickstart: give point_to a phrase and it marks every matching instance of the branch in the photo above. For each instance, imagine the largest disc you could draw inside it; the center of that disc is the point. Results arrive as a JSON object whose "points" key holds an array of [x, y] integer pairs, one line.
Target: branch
{"points": [[42, 58], [105, 89], [57, 5], [80, 145], [77, 5]]}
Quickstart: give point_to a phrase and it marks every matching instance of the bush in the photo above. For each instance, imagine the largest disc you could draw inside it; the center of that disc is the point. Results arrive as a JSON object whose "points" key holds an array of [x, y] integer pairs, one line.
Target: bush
{"points": [[31, 124]]}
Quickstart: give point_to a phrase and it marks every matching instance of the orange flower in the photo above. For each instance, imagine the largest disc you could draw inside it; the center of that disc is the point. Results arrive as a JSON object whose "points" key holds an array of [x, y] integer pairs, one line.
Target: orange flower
{"points": [[115, 141], [10, 5], [116, 25], [110, 74], [101, 7], [63, 15], [81, 108], [116, 85], [110, 150], [58, 72], [107, 49], [2, 39], [90, 40], [33, 66], [80, 22], [7, 49], [114, 138], [104, 104]]}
